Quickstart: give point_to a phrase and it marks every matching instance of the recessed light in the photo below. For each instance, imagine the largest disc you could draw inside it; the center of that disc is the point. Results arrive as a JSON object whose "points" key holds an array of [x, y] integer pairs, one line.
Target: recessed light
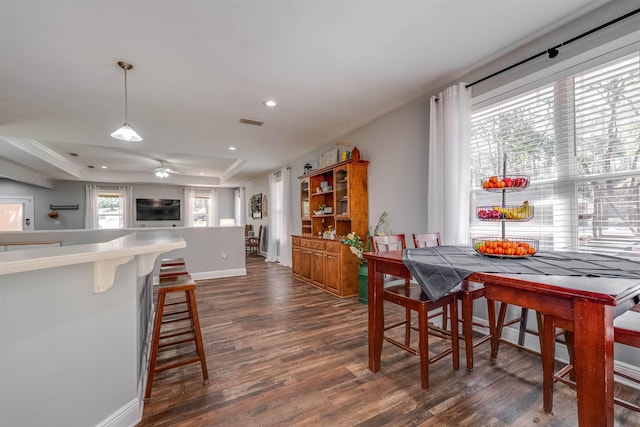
{"points": [[201, 173], [232, 148], [270, 103], [103, 167]]}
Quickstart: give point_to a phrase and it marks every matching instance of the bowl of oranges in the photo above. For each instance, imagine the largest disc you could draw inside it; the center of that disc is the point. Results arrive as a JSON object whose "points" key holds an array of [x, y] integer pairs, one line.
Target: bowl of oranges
{"points": [[505, 248]]}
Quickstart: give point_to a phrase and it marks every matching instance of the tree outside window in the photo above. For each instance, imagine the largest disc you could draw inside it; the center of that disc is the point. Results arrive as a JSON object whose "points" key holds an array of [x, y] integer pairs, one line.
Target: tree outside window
{"points": [[110, 213]]}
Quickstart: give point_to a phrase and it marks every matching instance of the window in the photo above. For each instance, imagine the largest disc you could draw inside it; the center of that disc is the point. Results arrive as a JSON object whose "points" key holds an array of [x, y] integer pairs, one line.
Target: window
{"points": [[110, 210], [16, 213], [107, 207], [578, 139], [201, 211], [199, 207]]}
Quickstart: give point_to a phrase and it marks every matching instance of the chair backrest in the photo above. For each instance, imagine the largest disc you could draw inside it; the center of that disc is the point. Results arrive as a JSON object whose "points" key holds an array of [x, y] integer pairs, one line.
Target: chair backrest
{"points": [[247, 229], [424, 240], [390, 242], [259, 235]]}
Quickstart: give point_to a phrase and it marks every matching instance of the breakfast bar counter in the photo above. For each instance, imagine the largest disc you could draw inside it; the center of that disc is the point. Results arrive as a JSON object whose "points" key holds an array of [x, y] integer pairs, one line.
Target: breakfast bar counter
{"points": [[74, 322]]}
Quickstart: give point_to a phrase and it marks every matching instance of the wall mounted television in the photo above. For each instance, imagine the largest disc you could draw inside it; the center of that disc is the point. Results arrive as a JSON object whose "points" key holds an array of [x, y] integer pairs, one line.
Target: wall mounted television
{"points": [[157, 209]]}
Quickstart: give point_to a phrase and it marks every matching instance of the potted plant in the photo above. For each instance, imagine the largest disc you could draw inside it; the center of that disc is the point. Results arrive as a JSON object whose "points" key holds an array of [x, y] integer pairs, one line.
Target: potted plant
{"points": [[357, 247]]}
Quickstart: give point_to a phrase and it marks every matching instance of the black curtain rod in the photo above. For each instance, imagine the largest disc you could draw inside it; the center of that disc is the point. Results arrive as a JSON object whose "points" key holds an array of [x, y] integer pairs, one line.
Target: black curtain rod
{"points": [[553, 52]]}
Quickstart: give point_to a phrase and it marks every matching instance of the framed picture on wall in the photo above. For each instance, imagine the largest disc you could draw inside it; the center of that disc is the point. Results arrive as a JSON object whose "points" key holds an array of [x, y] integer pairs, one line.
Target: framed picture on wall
{"points": [[255, 206]]}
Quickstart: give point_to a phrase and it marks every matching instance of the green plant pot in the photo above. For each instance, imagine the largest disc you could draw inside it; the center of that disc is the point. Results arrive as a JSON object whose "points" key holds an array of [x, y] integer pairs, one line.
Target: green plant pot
{"points": [[363, 281]]}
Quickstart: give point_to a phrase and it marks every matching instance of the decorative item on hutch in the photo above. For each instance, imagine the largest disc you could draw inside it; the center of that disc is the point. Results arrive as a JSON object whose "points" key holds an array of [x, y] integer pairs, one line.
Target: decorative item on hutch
{"points": [[307, 168]]}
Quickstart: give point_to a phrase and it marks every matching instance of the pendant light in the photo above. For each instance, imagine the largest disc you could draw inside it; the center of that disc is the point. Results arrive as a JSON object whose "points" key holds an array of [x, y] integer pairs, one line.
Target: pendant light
{"points": [[126, 132]]}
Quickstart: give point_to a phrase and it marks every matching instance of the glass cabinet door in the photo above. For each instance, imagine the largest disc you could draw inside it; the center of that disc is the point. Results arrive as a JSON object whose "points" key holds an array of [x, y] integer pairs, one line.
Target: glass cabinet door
{"points": [[304, 199], [342, 195]]}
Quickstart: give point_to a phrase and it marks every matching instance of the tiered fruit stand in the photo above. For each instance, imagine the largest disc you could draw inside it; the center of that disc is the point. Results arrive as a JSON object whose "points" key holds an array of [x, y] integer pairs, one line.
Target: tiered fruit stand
{"points": [[503, 247]]}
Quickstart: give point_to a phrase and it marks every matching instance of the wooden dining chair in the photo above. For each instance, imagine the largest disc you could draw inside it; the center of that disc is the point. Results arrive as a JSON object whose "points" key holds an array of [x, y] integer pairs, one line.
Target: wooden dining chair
{"points": [[253, 242], [410, 296], [425, 240], [467, 293], [248, 228], [626, 331]]}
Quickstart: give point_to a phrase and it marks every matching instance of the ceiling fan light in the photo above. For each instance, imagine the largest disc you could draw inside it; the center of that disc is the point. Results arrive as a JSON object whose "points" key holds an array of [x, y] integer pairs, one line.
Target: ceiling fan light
{"points": [[126, 133], [161, 173]]}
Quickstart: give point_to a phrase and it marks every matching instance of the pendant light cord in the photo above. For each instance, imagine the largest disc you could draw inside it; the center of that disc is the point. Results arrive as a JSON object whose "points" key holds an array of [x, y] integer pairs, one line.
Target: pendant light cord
{"points": [[126, 102]]}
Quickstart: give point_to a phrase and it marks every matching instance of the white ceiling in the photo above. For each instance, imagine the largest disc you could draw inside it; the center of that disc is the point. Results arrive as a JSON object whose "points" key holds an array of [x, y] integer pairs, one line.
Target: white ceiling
{"points": [[200, 66]]}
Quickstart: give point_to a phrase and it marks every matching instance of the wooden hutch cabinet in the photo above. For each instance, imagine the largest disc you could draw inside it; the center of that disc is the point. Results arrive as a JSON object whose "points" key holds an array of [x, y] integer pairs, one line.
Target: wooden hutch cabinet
{"points": [[331, 198]]}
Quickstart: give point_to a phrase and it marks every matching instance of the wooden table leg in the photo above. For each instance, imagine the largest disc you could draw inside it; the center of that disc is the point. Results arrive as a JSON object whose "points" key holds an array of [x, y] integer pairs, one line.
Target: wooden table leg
{"points": [[547, 350], [467, 327], [376, 316], [593, 341]]}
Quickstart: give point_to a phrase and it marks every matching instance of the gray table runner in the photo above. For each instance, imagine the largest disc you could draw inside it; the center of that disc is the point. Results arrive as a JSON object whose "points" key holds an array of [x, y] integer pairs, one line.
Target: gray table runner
{"points": [[439, 269]]}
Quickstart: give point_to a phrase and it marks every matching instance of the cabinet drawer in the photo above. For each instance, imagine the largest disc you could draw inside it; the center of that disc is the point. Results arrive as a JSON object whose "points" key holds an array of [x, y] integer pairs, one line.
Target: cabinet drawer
{"points": [[317, 245], [295, 241], [333, 247], [305, 243]]}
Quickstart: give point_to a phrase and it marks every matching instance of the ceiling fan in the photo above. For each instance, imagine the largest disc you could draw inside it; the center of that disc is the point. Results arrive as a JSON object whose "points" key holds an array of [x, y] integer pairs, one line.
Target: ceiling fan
{"points": [[163, 172]]}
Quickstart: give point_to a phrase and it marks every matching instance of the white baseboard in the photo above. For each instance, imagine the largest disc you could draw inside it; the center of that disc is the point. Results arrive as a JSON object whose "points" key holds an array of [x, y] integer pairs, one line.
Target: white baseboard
{"points": [[204, 275], [127, 416]]}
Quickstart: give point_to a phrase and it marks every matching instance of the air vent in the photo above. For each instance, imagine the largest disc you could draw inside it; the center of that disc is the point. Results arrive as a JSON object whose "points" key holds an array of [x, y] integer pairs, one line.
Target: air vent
{"points": [[251, 122]]}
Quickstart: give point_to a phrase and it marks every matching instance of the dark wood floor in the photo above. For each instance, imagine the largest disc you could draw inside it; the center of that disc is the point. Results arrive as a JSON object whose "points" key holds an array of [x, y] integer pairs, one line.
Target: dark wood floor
{"points": [[281, 352]]}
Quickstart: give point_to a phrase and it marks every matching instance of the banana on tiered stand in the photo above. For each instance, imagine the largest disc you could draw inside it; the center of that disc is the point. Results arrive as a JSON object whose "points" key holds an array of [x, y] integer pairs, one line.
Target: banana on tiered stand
{"points": [[521, 212]]}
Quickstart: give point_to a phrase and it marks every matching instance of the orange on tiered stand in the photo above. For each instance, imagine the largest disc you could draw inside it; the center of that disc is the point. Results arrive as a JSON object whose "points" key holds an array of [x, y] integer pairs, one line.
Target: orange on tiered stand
{"points": [[505, 248]]}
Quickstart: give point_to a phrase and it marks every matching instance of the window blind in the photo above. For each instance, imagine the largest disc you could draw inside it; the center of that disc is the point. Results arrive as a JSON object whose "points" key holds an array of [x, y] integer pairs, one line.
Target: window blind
{"points": [[578, 141]]}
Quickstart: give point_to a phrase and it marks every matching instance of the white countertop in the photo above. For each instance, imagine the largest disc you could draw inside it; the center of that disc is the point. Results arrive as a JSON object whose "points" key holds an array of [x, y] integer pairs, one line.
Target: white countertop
{"points": [[146, 245]]}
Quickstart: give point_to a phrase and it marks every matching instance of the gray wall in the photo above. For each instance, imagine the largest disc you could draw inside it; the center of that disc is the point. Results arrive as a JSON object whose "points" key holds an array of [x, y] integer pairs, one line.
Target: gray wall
{"points": [[71, 357], [73, 193], [211, 252], [396, 143], [260, 185]]}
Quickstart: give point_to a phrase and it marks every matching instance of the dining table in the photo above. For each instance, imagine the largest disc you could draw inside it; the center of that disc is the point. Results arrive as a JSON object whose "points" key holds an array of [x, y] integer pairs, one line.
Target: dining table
{"points": [[576, 291]]}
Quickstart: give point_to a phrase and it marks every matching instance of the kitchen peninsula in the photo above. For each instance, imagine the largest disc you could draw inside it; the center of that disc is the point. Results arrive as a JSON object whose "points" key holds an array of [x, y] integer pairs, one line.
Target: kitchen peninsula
{"points": [[73, 330]]}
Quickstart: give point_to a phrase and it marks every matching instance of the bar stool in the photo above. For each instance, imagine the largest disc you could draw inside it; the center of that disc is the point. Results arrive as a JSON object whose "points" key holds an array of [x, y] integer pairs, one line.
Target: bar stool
{"points": [[172, 270], [172, 262], [173, 313]]}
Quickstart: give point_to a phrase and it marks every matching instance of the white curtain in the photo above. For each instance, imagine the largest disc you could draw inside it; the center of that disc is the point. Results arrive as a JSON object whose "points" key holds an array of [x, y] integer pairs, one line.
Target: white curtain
{"points": [[285, 230], [279, 248], [272, 231], [91, 206], [449, 165], [239, 212], [126, 205], [189, 197], [214, 215]]}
